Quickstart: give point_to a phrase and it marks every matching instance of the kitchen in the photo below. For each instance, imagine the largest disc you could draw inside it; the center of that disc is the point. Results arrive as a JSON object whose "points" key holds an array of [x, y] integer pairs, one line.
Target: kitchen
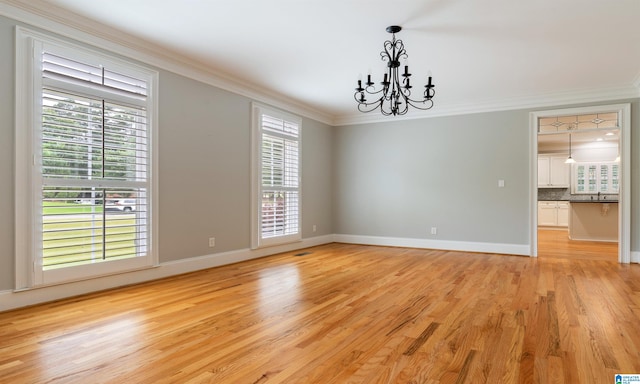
{"points": [[579, 177]]}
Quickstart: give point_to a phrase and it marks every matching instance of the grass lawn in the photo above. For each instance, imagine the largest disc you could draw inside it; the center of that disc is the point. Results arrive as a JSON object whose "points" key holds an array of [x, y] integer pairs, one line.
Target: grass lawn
{"points": [[56, 207]]}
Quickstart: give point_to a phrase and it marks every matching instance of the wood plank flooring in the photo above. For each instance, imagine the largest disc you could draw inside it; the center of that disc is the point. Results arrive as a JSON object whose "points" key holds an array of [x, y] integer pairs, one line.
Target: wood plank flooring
{"points": [[556, 244], [342, 314]]}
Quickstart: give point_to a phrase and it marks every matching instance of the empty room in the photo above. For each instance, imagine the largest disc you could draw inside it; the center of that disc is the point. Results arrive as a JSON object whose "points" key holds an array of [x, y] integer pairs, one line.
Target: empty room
{"points": [[278, 191]]}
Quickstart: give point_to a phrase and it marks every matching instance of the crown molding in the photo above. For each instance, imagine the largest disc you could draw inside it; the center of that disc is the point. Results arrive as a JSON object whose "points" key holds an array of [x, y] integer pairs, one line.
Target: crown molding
{"points": [[546, 100], [53, 19]]}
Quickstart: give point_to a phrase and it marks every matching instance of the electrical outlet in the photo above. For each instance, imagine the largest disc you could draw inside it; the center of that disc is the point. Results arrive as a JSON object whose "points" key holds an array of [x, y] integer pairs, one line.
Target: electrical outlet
{"points": [[434, 230], [212, 242], [314, 228]]}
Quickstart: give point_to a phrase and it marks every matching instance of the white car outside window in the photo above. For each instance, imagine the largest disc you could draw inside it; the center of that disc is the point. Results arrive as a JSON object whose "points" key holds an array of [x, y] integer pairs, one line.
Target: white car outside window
{"points": [[122, 205]]}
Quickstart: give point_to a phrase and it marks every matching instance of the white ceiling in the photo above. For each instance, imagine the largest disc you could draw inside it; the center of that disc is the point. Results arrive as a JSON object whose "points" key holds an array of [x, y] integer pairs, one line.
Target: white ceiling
{"points": [[484, 54]]}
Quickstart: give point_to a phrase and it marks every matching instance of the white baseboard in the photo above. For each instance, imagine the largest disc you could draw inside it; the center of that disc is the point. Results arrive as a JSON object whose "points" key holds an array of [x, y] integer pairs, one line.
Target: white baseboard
{"points": [[16, 299], [510, 249], [635, 257]]}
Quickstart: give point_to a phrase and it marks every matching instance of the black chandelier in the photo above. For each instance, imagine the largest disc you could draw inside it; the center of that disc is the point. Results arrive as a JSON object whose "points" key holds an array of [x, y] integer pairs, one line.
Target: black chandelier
{"points": [[394, 98]]}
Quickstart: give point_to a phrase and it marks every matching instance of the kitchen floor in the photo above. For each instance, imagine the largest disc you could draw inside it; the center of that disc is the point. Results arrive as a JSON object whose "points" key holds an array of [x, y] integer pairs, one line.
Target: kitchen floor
{"points": [[556, 244]]}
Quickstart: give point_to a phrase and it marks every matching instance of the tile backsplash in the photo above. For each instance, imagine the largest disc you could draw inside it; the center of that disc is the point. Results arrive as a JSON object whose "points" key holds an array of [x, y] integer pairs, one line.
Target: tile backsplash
{"points": [[550, 194], [559, 194]]}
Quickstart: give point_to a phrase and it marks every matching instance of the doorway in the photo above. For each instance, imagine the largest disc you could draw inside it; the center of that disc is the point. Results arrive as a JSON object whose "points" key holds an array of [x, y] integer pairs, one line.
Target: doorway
{"points": [[575, 207]]}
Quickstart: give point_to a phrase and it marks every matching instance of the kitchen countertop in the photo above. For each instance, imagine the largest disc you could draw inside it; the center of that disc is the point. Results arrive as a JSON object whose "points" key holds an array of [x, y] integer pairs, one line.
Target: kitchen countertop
{"points": [[593, 201], [583, 200]]}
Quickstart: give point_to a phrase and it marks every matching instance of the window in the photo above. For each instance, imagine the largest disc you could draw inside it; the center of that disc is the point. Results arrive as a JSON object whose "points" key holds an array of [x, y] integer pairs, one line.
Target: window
{"points": [[276, 178], [85, 173]]}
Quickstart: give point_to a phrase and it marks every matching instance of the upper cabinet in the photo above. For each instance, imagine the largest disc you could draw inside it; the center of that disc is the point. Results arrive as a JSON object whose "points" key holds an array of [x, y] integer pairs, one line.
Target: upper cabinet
{"points": [[596, 178], [553, 172]]}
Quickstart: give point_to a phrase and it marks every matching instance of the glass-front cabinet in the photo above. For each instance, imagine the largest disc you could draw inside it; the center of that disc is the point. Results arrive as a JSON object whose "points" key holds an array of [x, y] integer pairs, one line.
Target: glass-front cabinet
{"points": [[596, 178]]}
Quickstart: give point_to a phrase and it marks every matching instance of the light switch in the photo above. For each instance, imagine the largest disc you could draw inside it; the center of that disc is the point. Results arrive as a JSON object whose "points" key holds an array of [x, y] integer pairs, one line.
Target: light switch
{"points": [[500, 183]]}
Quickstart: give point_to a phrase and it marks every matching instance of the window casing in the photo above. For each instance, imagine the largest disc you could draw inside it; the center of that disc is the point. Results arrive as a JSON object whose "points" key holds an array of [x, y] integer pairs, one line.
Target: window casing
{"points": [[276, 186], [85, 140]]}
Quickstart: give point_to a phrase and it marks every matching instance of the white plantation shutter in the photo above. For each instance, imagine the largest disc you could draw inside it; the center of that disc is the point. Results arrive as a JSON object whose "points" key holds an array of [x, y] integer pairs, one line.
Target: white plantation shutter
{"points": [[86, 138], [92, 152], [278, 194], [92, 164], [73, 239], [76, 72]]}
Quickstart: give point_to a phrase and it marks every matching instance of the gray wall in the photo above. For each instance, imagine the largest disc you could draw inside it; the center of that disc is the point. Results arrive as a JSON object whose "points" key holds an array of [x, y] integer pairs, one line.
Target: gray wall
{"points": [[399, 179], [317, 178], [204, 167], [635, 175], [7, 97]]}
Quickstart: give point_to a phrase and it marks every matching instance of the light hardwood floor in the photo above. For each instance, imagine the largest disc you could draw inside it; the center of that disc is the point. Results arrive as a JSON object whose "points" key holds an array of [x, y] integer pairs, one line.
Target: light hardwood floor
{"points": [[342, 314], [556, 244]]}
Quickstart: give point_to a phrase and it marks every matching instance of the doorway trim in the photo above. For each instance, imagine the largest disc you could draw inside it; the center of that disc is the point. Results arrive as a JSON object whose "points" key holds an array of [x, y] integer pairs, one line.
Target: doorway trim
{"points": [[624, 197]]}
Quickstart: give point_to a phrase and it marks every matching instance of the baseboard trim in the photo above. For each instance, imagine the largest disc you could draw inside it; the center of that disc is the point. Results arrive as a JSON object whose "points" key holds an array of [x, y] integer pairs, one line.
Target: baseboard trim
{"points": [[17, 299], [635, 257], [465, 246]]}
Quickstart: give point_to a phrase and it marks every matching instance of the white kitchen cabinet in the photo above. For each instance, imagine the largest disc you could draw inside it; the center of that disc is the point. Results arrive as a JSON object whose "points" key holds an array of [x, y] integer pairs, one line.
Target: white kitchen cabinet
{"points": [[553, 172], [563, 213], [547, 214], [553, 213], [596, 178]]}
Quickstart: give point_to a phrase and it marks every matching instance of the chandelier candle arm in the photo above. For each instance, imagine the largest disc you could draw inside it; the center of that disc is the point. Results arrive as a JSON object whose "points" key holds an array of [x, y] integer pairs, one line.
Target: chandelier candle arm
{"points": [[393, 98]]}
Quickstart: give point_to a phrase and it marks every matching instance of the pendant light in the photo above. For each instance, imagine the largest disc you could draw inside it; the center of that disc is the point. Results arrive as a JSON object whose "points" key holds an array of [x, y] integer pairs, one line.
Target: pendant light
{"points": [[569, 159]]}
